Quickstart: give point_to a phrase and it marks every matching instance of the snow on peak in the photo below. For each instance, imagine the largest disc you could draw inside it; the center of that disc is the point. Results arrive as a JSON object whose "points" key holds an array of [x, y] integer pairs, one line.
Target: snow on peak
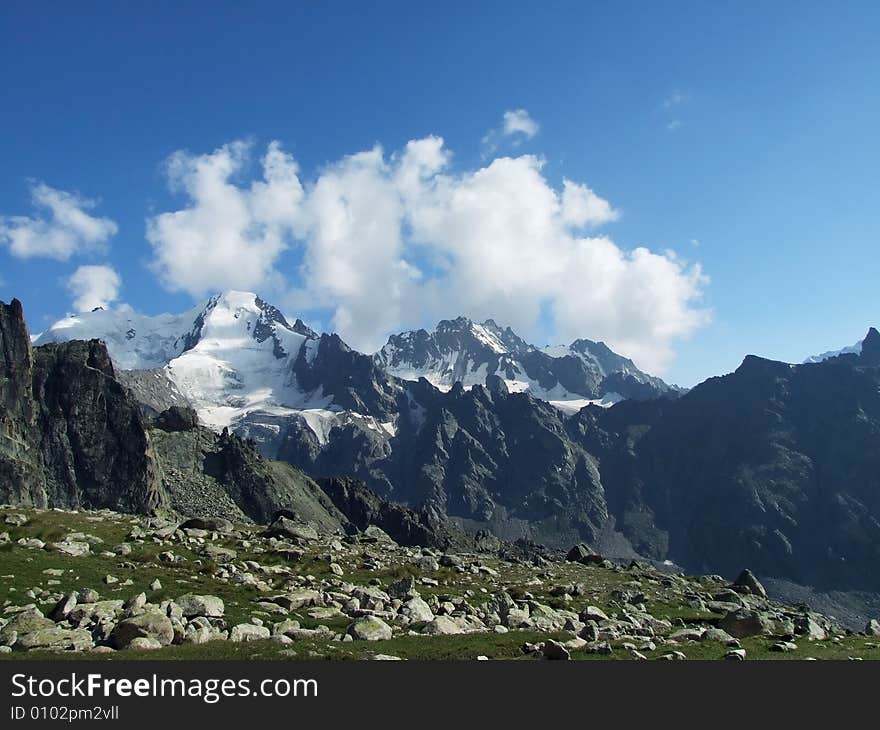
{"points": [[852, 349]]}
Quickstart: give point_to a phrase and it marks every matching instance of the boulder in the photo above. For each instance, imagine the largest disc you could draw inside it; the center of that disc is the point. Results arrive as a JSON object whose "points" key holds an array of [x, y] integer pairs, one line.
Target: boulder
{"points": [[24, 622], [200, 605], [442, 626], [55, 638], [209, 524], [286, 528], [554, 650], [369, 628], [745, 622], [249, 632], [416, 609], [584, 554], [151, 625], [63, 607], [72, 548], [746, 582]]}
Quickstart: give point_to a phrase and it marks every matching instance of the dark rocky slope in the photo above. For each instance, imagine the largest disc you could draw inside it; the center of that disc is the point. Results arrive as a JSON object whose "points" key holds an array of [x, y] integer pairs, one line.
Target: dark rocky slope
{"points": [[775, 466], [71, 436]]}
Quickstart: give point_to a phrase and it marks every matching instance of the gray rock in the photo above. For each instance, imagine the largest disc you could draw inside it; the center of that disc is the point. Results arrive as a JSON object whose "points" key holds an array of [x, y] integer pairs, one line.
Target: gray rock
{"points": [[442, 626], [24, 622], [369, 628], [554, 650], [151, 625], [417, 610], [74, 549], [746, 582], [745, 622], [63, 607], [144, 643], [200, 605], [249, 632], [55, 638]]}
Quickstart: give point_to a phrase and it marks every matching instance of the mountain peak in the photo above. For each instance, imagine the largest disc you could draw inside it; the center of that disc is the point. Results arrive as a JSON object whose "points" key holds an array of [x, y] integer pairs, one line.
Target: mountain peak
{"points": [[871, 347]]}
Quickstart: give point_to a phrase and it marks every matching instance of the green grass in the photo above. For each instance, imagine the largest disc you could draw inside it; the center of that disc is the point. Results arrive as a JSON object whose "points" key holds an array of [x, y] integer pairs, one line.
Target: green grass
{"points": [[195, 574]]}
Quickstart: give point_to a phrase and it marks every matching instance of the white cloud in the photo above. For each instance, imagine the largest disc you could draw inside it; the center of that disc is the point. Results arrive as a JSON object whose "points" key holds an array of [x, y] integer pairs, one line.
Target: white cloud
{"points": [[67, 229], [228, 237], [394, 241], [516, 126], [582, 207], [93, 286], [518, 121]]}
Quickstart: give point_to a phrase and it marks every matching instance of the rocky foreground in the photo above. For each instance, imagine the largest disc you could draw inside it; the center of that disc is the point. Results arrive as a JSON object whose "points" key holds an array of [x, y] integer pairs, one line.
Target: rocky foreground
{"points": [[86, 584]]}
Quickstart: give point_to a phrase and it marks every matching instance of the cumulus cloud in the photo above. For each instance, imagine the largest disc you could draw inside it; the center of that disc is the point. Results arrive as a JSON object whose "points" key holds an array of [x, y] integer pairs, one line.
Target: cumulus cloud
{"points": [[93, 286], [228, 237], [387, 242], [63, 228]]}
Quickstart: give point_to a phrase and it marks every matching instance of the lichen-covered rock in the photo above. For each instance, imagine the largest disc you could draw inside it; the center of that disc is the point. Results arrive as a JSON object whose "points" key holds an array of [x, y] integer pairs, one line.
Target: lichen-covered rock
{"points": [[369, 628], [249, 632], [150, 625], [200, 605]]}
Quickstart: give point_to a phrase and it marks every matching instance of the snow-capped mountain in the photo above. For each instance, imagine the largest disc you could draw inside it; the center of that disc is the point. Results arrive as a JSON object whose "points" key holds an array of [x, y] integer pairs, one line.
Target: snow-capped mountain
{"points": [[242, 365], [236, 360], [569, 377]]}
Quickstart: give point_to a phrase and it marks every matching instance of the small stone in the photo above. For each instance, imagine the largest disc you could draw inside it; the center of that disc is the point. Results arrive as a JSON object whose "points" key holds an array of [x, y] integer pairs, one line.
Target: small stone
{"points": [[156, 585], [736, 655]]}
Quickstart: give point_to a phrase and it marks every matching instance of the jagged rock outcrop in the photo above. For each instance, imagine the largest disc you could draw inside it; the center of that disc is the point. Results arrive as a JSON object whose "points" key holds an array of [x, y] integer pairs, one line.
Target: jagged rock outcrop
{"points": [[72, 436], [363, 508]]}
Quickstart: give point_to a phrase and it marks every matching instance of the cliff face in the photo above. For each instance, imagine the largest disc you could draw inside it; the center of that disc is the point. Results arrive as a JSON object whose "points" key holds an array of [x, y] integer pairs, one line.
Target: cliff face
{"points": [[20, 465], [70, 435]]}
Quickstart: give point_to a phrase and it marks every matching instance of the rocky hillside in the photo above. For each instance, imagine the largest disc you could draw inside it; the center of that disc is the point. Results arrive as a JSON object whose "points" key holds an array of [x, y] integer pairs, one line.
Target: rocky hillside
{"points": [[101, 584], [776, 466]]}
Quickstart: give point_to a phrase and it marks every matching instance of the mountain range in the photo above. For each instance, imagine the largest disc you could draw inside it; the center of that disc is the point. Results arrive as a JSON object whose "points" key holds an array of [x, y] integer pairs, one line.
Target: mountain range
{"points": [[773, 466]]}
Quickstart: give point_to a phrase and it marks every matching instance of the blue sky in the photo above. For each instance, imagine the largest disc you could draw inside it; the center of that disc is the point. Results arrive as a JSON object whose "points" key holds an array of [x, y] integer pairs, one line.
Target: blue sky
{"points": [[741, 137]]}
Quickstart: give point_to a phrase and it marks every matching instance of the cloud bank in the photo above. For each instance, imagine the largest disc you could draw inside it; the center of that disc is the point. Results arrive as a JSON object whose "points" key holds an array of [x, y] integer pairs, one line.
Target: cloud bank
{"points": [[390, 241], [64, 229]]}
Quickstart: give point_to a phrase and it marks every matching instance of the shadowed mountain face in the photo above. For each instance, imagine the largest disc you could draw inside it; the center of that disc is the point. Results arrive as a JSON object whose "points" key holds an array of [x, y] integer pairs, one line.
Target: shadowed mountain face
{"points": [[774, 466], [70, 434]]}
